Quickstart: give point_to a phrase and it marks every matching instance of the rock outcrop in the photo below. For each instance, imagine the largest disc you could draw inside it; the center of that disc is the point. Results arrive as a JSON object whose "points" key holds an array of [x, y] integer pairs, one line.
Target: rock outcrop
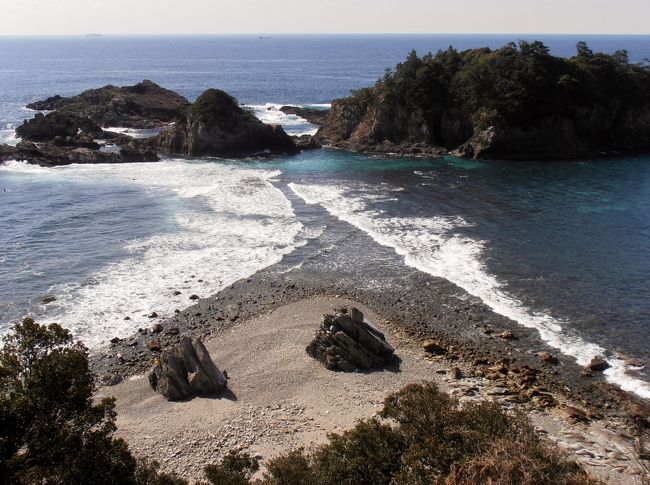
{"points": [[312, 115], [518, 103], [65, 152], [346, 343], [144, 105], [47, 127], [215, 125], [186, 371]]}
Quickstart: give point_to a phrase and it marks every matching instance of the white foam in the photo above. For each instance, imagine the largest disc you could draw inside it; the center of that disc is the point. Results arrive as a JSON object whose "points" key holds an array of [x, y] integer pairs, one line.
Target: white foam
{"points": [[432, 245], [8, 136], [293, 124], [234, 222], [135, 132], [19, 166]]}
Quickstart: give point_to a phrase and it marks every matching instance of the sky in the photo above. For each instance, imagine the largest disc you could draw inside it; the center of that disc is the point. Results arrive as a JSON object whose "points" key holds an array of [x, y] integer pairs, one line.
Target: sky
{"points": [[72, 17]]}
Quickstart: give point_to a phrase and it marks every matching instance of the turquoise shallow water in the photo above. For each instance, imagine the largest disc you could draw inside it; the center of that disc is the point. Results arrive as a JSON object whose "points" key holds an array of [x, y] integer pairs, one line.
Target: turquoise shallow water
{"points": [[563, 246]]}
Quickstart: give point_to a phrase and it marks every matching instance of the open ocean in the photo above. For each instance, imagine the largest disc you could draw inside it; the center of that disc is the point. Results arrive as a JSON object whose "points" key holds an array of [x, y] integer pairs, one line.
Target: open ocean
{"points": [[563, 247]]}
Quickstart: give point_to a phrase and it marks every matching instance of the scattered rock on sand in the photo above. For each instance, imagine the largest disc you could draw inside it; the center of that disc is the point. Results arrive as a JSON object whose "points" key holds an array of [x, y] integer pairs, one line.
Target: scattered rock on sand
{"points": [[432, 347], [547, 357], [185, 371], [507, 335], [345, 342]]}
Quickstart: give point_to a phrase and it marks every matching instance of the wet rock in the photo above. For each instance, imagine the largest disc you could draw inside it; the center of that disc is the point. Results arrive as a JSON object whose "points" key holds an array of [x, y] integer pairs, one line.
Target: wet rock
{"points": [[507, 335], [597, 364], [48, 299], [173, 331], [115, 340], [186, 370], [176, 293], [153, 315], [634, 363], [216, 125], [126, 319], [345, 344], [547, 358], [157, 328], [194, 297]]}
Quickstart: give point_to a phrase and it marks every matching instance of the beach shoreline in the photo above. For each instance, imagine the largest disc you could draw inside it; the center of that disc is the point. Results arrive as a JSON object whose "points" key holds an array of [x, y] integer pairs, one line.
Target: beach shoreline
{"points": [[280, 399]]}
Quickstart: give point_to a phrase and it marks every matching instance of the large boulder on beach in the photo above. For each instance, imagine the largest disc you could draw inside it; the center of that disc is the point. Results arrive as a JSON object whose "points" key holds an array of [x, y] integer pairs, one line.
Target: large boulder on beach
{"points": [[185, 371], [345, 342], [215, 125], [143, 105]]}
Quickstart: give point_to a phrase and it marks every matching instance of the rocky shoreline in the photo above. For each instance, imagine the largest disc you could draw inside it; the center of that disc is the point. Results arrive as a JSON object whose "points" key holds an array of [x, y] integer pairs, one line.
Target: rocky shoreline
{"points": [[459, 328], [264, 417]]}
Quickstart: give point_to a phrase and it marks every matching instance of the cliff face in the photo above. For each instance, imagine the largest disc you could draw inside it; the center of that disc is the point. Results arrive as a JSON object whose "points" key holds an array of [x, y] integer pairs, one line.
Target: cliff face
{"points": [[518, 102], [215, 125]]}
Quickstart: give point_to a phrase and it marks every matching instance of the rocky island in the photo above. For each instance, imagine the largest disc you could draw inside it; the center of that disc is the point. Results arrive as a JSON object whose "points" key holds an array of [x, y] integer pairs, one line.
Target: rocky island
{"points": [[518, 102], [73, 130]]}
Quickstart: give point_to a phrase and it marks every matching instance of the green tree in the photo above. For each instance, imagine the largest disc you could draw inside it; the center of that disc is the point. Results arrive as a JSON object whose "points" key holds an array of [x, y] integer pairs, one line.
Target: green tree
{"points": [[50, 429]]}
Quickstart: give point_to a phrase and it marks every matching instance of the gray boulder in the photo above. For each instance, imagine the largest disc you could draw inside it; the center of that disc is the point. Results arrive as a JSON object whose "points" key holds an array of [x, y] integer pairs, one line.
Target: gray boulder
{"points": [[345, 342], [186, 371]]}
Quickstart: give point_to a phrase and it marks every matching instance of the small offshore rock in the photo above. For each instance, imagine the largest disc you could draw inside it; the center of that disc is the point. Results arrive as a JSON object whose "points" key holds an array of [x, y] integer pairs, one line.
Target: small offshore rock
{"points": [[153, 315], [115, 340], [176, 293], [634, 363], [49, 299], [126, 319], [194, 297], [597, 364], [547, 357]]}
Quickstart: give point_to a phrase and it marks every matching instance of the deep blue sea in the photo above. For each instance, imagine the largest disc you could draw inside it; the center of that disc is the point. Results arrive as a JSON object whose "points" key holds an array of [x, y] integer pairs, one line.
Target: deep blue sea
{"points": [[563, 247]]}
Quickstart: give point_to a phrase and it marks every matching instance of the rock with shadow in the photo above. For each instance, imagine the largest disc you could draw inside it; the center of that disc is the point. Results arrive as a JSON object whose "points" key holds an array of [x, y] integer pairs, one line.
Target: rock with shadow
{"points": [[186, 371], [346, 343]]}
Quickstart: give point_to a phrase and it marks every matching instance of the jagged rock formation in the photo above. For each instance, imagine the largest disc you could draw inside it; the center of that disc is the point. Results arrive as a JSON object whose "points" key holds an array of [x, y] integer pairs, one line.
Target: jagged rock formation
{"points": [[185, 371], [312, 115], [517, 102], [52, 154], [144, 105], [345, 342], [215, 125]]}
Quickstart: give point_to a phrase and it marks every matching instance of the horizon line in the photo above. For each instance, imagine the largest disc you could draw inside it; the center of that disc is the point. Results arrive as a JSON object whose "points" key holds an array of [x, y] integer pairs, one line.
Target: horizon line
{"points": [[224, 34]]}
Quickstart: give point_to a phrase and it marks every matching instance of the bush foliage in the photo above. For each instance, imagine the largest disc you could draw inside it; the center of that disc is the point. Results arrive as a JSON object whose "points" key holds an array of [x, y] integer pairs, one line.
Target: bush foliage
{"points": [[51, 431]]}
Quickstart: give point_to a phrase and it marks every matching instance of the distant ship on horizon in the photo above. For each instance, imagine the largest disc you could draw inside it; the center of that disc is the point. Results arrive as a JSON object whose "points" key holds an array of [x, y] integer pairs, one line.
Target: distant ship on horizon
{"points": [[93, 35]]}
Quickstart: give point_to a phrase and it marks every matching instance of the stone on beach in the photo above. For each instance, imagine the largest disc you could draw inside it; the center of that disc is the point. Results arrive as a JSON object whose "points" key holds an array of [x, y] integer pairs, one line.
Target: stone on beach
{"points": [[597, 364], [185, 371], [345, 342]]}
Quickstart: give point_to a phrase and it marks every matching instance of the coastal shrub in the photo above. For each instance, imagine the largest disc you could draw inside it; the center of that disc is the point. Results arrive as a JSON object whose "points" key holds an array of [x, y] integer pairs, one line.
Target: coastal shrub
{"points": [[51, 431], [425, 437], [234, 469]]}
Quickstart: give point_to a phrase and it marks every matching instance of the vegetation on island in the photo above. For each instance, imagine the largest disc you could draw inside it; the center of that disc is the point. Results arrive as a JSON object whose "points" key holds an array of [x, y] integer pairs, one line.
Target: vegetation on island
{"points": [[535, 103], [52, 431]]}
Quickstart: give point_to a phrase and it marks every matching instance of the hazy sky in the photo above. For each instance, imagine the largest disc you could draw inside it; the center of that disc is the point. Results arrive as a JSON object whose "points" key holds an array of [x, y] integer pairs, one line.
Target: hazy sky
{"points": [[322, 16]]}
